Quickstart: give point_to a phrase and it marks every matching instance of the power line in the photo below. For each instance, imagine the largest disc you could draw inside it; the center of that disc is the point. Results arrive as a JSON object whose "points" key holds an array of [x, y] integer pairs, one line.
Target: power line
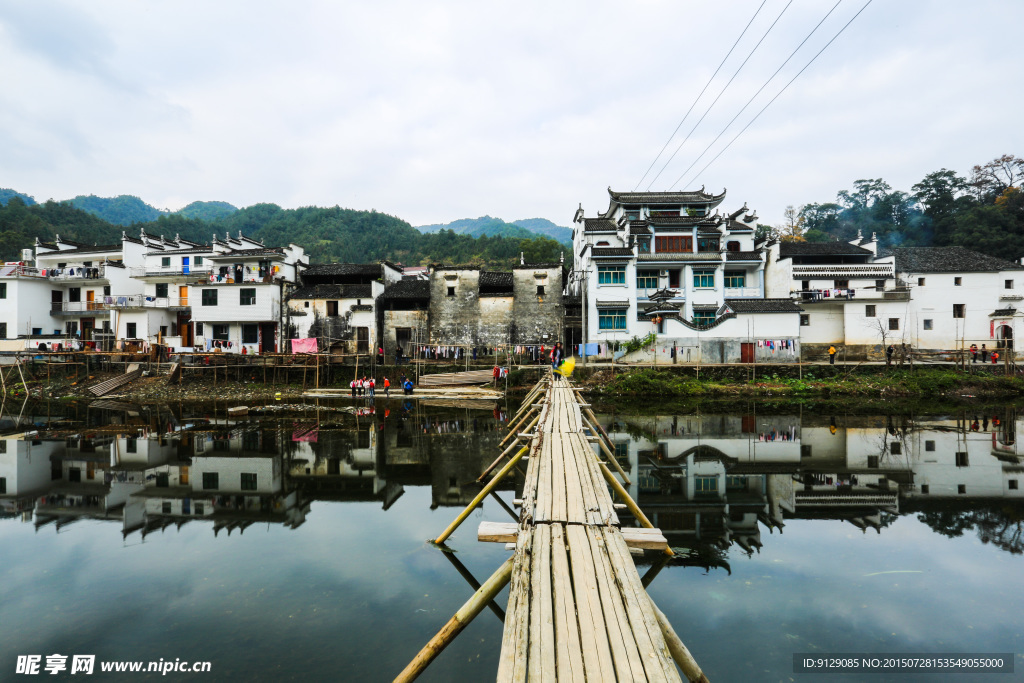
{"points": [[791, 55], [681, 121], [783, 90], [721, 93]]}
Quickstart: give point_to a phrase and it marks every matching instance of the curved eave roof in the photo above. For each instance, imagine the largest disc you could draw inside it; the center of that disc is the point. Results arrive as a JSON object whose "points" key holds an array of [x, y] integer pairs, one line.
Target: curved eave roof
{"points": [[651, 198]]}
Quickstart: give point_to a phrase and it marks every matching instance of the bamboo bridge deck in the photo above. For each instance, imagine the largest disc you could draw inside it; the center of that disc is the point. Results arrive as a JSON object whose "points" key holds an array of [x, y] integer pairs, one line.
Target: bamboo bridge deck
{"points": [[577, 610]]}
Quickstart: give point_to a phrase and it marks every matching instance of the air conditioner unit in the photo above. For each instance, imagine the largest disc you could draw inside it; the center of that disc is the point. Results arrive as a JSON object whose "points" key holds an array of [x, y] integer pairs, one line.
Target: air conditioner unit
{"points": [[662, 273]]}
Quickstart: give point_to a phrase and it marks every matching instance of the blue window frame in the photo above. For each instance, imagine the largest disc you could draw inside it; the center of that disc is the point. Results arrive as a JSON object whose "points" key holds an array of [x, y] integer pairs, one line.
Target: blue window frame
{"points": [[646, 279], [611, 275], [611, 319], [735, 278], [704, 279], [703, 317], [705, 484]]}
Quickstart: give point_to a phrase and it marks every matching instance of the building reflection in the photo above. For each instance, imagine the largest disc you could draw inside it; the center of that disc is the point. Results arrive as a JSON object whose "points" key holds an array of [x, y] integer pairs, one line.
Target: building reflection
{"points": [[713, 483]]}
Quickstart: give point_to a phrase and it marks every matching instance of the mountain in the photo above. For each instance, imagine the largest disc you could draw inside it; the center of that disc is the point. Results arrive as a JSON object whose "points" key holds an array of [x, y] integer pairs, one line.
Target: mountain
{"points": [[327, 234], [6, 194], [487, 226], [207, 211], [542, 226], [127, 209]]}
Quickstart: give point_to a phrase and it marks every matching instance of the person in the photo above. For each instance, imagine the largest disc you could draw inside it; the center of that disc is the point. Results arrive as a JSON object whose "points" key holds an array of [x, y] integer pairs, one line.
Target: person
{"points": [[556, 356], [984, 354], [398, 355], [352, 385], [366, 386], [832, 355], [373, 387], [496, 373], [888, 354], [380, 355], [995, 357], [407, 386], [387, 388], [974, 353]]}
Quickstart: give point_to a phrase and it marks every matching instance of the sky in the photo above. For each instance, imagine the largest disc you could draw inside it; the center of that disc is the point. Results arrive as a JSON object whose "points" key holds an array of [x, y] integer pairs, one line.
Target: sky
{"points": [[444, 110]]}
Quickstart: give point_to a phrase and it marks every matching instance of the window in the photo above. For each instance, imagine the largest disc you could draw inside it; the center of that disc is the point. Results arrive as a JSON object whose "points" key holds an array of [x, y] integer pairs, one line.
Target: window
{"points": [[879, 285], [248, 481], [3, 445], [805, 320], [3, 290], [71, 328], [958, 310], [673, 244], [872, 462], [220, 332], [707, 244], [703, 317], [131, 445], [451, 291], [1012, 483], [646, 279], [920, 282], [611, 319], [805, 285], [961, 489], [250, 334], [199, 329], [645, 245], [735, 278], [958, 281], [198, 260], [924, 489], [106, 290], [896, 448], [732, 246], [3, 485], [165, 261], [673, 279], [928, 323], [75, 294], [332, 308], [36, 331], [161, 289], [805, 450], [211, 481], [209, 297], [3, 330], [705, 484], [611, 275], [703, 279], [929, 446], [841, 284], [200, 508], [894, 324], [305, 304], [1008, 284], [131, 330], [247, 297], [540, 290], [961, 459], [869, 311]]}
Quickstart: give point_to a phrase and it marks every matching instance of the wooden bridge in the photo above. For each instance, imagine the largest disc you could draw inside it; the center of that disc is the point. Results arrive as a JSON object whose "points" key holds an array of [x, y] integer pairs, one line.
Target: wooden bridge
{"points": [[577, 610]]}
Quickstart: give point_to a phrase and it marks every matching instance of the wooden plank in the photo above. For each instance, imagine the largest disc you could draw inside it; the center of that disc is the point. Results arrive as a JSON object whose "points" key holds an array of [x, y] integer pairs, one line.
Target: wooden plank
{"points": [[597, 655], [576, 512], [654, 652], [648, 539], [542, 512], [547, 621], [569, 654], [628, 665], [497, 532]]}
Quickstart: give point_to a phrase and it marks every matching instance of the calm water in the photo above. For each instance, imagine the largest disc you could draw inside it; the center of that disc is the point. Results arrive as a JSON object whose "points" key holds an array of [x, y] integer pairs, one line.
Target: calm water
{"points": [[292, 547]]}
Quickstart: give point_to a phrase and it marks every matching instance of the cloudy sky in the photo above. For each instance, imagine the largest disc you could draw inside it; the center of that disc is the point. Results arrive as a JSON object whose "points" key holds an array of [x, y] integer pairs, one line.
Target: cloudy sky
{"points": [[443, 110]]}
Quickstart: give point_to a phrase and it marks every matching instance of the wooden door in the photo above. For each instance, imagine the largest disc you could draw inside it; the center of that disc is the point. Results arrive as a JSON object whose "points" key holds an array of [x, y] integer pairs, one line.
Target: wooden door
{"points": [[90, 299], [746, 352], [183, 295]]}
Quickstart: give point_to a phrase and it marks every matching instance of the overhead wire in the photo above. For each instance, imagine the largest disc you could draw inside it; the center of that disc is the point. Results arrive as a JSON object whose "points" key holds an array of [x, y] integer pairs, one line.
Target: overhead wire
{"points": [[688, 111], [737, 73], [845, 26], [754, 96]]}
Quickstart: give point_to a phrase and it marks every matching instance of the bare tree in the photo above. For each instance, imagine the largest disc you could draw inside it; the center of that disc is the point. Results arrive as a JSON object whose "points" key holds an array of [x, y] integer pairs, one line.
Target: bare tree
{"points": [[996, 176]]}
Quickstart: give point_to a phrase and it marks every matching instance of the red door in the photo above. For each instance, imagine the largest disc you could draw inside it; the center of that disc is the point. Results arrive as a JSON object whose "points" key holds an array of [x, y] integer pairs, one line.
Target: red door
{"points": [[746, 352]]}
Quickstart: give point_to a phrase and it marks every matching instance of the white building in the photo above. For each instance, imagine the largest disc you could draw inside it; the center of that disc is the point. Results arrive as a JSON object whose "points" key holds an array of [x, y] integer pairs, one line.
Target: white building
{"points": [[662, 263]]}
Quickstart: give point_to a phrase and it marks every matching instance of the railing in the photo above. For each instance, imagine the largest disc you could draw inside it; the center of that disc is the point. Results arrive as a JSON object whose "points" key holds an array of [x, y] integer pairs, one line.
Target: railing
{"points": [[75, 273], [813, 296], [844, 271], [171, 271], [15, 270], [742, 292], [123, 302]]}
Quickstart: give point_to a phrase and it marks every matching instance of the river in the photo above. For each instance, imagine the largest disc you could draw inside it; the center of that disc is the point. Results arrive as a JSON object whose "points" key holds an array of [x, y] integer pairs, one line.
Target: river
{"points": [[292, 545]]}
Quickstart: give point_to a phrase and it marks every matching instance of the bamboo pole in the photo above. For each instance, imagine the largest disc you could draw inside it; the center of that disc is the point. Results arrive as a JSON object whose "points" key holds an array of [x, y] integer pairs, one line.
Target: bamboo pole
{"points": [[480, 496], [630, 503], [466, 613], [505, 452], [681, 655], [614, 461], [513, 430]]}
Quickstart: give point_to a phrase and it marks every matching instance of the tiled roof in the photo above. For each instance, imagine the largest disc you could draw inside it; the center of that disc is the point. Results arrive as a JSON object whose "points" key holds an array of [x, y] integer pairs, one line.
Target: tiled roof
{"points": [[713, 219], [736, 226], [948, 260], [742, 256], [264, 251], [371, 269], [408, 290], [115, 264], [690, 197], [788, 249], [610, 251], [763, 305], [362, 307], [598, 225], [96, 249], [639, 228], [1003, 313], [333, 292], [706, 256], [493, 278]]}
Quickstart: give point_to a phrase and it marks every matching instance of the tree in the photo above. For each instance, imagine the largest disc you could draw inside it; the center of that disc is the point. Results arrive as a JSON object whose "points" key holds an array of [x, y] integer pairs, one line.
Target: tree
{"points": [[792, 228], [991, 179]]}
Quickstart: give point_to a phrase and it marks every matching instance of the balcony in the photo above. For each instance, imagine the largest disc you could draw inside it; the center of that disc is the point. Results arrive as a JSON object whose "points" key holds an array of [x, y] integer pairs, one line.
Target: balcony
{"points": [[825, 296], [97, 274], [743, 293], [179, 272], [17, 271], [844, 271], [128, 302]]}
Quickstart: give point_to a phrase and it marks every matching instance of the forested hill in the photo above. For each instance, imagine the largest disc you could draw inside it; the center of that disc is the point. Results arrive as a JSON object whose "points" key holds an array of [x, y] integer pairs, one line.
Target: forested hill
{"points": [[491, 227], [327, 234], [983, 211]]}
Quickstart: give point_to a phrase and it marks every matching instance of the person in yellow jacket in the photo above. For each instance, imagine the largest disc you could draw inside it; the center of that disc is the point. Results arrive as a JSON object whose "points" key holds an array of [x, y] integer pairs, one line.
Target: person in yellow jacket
{"points": [[832, 354]]}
